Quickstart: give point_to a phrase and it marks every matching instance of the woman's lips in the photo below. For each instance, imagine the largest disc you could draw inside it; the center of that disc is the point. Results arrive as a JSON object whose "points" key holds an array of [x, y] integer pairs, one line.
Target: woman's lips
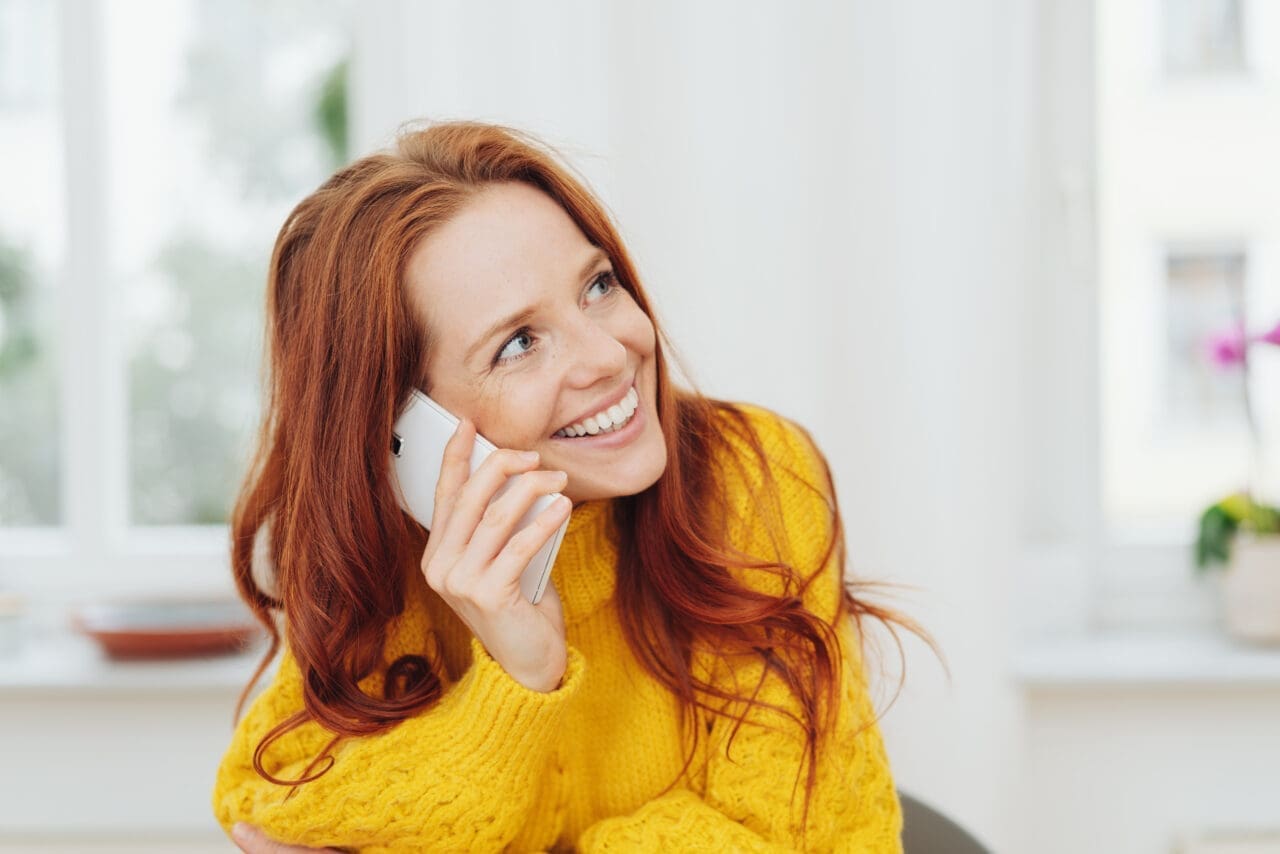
{"points": [[613, 439], [630, 399]]}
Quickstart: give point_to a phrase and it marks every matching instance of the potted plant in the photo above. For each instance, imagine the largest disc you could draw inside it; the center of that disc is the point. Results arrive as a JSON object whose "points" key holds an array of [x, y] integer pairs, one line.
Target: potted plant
{"points": [[1240, 532]]}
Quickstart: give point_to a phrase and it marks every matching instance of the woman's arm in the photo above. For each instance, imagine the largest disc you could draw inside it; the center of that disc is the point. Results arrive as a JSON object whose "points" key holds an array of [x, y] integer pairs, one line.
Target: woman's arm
{"points": [[749, 804], [753, 801], [460, 776]]}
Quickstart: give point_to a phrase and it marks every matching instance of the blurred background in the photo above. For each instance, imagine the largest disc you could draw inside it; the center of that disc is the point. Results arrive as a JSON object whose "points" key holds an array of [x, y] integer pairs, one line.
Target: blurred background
{"points": [[1015, 263]]}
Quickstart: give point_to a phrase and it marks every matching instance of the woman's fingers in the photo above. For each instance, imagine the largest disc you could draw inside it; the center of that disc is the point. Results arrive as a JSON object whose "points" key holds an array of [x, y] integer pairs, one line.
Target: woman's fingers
{"points": [[454, 471], [520, 548], [251, 840], [466, 508], [500, 518], [486, 581], [470, 501]]}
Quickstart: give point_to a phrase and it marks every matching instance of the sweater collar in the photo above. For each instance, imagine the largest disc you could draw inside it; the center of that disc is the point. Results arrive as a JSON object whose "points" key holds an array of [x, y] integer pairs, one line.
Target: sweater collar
{"points": [[586, 565]]}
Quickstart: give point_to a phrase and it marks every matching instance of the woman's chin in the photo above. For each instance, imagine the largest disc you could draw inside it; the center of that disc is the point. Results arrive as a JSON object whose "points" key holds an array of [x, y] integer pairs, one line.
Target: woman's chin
{"points": [[602, 472], [615, 483]]}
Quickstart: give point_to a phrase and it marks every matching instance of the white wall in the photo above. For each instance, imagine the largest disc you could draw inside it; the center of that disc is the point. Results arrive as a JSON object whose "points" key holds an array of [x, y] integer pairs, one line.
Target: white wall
{"points": [[932, 443], [1142, 770]]}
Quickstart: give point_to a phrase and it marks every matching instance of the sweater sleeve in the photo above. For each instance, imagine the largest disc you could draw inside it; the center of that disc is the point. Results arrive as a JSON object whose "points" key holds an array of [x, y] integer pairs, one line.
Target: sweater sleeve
{"points": [[749, 803], [753, 800], [461, 775]]}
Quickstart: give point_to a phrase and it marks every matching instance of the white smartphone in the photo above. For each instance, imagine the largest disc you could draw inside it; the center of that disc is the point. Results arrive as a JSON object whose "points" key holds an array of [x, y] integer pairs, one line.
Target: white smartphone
{"points": [[417, 452]]}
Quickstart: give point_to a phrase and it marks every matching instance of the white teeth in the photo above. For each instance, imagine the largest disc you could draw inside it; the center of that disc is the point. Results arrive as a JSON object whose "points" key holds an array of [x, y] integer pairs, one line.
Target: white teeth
{"points": [[613, 418]]}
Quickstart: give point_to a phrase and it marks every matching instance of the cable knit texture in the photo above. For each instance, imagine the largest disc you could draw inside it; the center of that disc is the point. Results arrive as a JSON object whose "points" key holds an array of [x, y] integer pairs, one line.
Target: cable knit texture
{"points": [[496, 766]]}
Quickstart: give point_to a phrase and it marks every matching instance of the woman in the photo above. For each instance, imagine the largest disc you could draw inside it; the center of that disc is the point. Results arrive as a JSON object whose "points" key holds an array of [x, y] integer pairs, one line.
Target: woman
{"points": [[692, 675]]}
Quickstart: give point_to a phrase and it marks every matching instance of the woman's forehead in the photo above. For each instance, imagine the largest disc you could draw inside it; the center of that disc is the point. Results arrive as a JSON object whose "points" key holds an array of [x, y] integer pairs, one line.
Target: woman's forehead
{"points": [[510, 247]]}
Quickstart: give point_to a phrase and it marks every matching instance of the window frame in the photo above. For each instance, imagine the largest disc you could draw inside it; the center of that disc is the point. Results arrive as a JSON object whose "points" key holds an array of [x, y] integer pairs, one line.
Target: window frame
{"points": [[1077, 575], [93, 551]]}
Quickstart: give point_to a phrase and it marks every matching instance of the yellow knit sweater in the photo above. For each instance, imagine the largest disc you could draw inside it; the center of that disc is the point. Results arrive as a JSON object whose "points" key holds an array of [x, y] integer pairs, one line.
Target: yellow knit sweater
{"points": [[497, 766]]}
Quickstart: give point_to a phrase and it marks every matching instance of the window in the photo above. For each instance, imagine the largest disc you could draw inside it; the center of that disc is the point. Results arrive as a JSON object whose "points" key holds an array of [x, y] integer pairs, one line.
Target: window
{"points": [[1186, 234], [131, 288], [216, 128], [1160, 228], [32, 240], [1203, 36], [1176, 437], [1204, 296]]}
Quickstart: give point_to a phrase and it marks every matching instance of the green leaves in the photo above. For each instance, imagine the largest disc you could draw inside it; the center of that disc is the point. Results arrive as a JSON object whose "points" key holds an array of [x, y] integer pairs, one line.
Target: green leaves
{"points": [[1220, 523], [1213, 545], [330, 114]]}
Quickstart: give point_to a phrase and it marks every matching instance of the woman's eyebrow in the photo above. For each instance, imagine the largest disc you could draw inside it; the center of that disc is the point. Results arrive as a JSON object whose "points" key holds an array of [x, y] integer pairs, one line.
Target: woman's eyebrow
{"points": [[519, 317], [514, 319], [597, 255]]}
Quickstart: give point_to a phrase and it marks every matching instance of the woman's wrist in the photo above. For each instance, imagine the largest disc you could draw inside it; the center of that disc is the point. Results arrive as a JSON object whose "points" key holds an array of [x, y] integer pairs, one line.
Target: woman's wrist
{"points": [[544, 682]]}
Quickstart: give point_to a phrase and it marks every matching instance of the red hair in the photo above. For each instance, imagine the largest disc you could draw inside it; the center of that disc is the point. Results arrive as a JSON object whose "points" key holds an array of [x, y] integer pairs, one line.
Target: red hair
{"points": [[344, 350]]}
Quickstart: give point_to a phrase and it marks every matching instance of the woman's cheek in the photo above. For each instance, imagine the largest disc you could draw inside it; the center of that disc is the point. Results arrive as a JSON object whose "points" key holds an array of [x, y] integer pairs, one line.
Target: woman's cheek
{"points": [[529, 413], [637, 331], [648, 337]]}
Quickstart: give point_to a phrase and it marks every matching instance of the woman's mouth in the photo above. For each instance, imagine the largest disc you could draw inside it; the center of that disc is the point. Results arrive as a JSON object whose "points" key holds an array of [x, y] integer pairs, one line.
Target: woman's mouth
{"points": [[610, 420]]}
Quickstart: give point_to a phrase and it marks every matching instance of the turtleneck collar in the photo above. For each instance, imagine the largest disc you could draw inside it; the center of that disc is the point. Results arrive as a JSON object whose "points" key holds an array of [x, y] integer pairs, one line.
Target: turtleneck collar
{"points": [[586, 565]]}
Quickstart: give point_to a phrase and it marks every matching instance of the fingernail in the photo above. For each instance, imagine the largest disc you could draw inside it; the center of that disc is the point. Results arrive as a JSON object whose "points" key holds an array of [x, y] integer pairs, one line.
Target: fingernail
{"points": [[529, 456], [241, 832]]}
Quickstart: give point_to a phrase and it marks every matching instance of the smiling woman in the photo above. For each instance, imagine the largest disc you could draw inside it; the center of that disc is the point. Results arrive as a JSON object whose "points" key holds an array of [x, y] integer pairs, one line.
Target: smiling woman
{"points": [[698, 652]]}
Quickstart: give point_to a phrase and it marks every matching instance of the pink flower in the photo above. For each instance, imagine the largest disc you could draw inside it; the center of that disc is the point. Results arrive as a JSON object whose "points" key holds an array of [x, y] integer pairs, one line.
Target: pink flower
{"points": [[1227, 348], [1272, 337]]}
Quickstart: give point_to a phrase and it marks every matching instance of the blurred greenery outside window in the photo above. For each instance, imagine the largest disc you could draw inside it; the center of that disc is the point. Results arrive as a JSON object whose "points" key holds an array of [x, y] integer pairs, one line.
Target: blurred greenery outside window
{"points": [[220, 116], [31, 246]]}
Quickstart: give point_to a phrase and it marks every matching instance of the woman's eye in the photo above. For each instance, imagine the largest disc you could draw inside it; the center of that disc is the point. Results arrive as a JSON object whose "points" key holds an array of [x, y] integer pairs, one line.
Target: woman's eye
{"points": [[519, 344], [605, 282]]}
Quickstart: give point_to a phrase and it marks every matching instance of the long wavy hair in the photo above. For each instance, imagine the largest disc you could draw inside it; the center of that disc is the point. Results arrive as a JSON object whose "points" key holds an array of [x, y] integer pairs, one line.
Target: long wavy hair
{"points": [[343, 352]]}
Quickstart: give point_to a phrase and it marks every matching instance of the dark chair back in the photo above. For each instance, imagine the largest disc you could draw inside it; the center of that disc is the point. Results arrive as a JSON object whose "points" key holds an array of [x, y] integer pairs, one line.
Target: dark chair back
{"points": [[927, 831]]}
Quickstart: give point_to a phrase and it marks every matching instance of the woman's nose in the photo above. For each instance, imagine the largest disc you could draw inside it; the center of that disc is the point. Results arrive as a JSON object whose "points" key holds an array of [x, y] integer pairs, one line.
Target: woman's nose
{"points": [[594, 354]]}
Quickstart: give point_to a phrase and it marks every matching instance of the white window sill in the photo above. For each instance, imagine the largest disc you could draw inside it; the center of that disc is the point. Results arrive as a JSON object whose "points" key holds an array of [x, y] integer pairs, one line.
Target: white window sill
{"points": [[57, 661], [1194, 658]]}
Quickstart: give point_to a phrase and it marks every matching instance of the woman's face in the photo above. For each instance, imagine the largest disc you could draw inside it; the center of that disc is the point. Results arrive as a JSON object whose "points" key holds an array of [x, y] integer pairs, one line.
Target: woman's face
{"points": [[531, 334]]}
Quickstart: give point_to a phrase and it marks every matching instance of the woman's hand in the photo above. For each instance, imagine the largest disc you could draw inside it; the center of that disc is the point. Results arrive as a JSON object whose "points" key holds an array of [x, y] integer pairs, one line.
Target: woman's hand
{"points": [[474, 561], [253, 841]]}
